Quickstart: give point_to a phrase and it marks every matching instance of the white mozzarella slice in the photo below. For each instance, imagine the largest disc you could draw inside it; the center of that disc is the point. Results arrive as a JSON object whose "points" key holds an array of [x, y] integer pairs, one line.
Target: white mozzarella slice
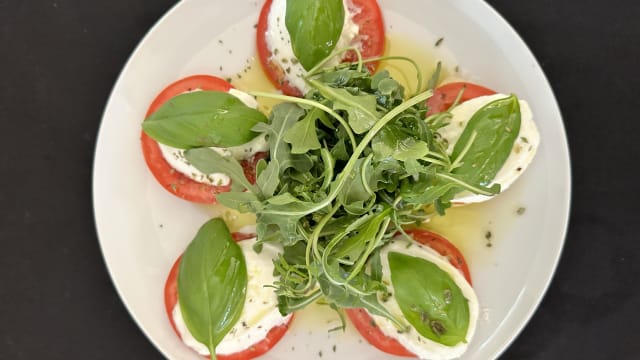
{"points": [[260, 312], [423, 347], [279, 42], [175, 157], [524, 148]]}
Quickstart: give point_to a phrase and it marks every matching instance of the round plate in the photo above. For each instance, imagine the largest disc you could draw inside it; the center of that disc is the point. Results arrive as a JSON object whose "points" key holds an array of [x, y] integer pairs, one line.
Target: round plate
{"points": [[142, 228]]}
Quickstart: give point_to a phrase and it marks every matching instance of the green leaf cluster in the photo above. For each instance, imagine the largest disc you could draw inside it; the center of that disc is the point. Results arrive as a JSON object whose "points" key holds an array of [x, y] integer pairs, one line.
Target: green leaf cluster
{"points": [[350, 164]]}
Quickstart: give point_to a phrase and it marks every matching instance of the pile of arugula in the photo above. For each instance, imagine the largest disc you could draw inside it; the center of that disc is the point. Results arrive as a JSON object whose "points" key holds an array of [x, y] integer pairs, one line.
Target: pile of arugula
{"points": [[350, 165]]}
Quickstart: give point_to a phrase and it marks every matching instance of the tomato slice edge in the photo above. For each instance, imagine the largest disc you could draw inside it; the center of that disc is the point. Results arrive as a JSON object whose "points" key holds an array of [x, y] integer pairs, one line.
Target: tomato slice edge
{"points": [[259, 348], [445, 95], [172, 180]]}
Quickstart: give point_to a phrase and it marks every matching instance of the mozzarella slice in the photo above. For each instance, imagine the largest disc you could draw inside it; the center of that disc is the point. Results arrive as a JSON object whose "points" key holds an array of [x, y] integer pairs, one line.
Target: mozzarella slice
{"points": [[524, 148], [423, 347], [260, 312], [175, 157], [279, 42]]}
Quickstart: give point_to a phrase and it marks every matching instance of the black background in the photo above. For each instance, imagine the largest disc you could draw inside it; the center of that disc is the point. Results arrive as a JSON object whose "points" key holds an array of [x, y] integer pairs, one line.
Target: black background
{"points": [[59, 60]]}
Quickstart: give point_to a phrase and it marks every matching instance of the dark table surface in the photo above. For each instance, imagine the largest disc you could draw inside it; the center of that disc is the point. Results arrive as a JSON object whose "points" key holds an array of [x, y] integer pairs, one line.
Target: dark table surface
{"points": [[59, 60]]}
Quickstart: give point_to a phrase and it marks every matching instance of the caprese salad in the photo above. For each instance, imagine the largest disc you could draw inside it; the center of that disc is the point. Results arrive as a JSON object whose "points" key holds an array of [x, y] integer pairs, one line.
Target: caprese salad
{"points": [[216, 294], [340, 176]]}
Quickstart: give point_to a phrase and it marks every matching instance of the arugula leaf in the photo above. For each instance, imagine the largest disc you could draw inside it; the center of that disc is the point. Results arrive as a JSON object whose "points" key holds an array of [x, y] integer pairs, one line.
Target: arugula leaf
{"points": [[209, 162], [359, 293], [356, 190], [212, 282], [283, 117], [353, 246], [315, 27], [429, 299], [302, 135], [269, 179], [203, 119], [361, 108]]}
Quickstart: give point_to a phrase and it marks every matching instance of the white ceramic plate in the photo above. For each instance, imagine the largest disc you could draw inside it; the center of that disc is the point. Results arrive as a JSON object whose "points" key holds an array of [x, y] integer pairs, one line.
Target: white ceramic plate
{"points": [[142, 228]]}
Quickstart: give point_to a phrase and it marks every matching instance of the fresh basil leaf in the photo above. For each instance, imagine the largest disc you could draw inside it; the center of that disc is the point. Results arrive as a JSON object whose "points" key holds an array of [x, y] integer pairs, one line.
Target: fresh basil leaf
{"points": [[209, 162], [496, 127], [302, 135], [212, 283], [203, 119], [429, 299], [315, 27]]}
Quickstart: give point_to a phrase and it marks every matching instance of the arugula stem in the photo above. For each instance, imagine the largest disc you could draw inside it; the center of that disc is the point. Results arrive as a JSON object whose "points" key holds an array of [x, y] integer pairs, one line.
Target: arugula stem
{"points": [[316, 104], [458, 160], [363, 176], [435, 161], [328, 162], [315, 295], [316, 69], [373, 244], [467, 186], [415, 65]]}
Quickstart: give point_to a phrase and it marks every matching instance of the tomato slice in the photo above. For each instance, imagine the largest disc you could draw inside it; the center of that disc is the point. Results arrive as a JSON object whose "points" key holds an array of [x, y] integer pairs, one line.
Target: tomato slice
{"points": [[365, 324], [370, 35], [171, 299], [172, 180], [444, 96]]}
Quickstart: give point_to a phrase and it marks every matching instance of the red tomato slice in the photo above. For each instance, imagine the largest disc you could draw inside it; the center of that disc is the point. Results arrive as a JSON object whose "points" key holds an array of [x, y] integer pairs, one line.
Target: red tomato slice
{"points": [[174, 181], [370, 35], [365, 324], [171, 299], [445, 95]]}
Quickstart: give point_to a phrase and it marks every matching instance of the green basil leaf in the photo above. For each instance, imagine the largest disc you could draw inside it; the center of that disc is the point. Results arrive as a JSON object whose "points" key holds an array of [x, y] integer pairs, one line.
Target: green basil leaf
{"points": [[315, 27], [429, 299], [212, 282], [209, 162], [203, 119], [496, 127], [302, 135]]}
